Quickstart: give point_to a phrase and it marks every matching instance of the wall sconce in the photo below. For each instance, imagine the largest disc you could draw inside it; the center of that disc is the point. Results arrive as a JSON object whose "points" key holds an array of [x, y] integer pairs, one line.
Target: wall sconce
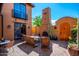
{"points": [[9, 26], [28, 27]]}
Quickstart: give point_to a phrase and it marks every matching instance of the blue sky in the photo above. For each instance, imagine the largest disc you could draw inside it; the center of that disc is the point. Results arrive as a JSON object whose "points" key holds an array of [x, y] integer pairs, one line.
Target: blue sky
{"points": [[58, 10]]}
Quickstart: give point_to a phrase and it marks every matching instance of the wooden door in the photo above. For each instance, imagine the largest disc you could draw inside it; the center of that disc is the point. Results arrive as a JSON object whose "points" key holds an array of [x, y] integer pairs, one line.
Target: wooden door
{"points": [[64, 31]]}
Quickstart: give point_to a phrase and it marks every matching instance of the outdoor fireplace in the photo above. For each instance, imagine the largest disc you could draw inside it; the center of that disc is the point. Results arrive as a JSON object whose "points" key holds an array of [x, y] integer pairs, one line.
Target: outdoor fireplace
{"points": [[45, 34]]}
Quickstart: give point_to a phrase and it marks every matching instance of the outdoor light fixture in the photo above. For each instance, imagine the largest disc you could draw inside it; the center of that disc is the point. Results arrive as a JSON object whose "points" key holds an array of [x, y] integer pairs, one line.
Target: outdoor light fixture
{"points": [[28, 26], [9, 26]]}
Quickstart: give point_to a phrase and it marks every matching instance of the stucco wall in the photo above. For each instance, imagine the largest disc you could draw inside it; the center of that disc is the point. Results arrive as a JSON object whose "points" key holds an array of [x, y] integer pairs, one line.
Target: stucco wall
{"points": [[29, 22], [8, 20], [63, 20]]}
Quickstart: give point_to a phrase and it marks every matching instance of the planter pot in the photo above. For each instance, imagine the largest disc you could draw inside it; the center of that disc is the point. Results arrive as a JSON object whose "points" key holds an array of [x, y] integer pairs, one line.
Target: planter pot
{"points": [[73, 51]]}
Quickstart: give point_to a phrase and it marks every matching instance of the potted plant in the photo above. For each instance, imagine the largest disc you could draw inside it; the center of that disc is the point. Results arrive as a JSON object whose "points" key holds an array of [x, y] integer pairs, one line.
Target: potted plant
{"points": [[73, 44]]}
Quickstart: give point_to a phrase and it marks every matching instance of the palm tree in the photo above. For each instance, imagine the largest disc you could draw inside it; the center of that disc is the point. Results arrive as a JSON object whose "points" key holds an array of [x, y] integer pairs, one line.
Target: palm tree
{"points": [[37, 22]]}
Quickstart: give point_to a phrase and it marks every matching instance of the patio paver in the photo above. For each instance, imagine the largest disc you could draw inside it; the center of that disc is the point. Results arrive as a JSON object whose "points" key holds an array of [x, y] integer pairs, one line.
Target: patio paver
{"points": [[58, 48]]}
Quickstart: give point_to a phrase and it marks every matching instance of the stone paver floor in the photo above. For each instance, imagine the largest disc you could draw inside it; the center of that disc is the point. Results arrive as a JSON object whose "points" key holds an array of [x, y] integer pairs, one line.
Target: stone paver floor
{"points": [[57, 48]]}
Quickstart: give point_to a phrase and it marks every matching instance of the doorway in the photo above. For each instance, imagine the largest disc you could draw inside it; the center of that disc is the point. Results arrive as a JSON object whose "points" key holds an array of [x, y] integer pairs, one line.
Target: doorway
{"points": [[19, 29]]}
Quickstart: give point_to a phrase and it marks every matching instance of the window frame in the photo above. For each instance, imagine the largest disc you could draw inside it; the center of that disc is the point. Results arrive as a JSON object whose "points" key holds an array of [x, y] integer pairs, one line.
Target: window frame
{"points": [[26, 16]]}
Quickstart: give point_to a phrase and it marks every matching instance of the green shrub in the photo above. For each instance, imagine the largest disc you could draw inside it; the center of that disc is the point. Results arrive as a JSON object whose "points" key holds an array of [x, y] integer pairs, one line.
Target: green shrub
{"points": [[73, 38]]}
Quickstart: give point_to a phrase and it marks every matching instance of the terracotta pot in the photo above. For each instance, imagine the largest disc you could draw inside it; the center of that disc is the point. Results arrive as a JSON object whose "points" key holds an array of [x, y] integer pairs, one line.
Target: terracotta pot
{"points": [[73, 51]]}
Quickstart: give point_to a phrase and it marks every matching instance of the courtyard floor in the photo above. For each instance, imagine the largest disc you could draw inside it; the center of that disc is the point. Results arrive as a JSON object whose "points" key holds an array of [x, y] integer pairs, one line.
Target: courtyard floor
{"points": [[20, 48]]}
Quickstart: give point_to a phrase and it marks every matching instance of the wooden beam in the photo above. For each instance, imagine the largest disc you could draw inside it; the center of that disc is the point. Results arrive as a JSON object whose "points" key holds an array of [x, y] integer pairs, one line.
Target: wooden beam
{"points": [[30, 4]]}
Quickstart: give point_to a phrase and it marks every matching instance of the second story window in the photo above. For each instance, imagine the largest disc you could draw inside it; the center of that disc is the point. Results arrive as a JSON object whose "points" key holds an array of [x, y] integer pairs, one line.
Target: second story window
{"points": [[20, 11]]}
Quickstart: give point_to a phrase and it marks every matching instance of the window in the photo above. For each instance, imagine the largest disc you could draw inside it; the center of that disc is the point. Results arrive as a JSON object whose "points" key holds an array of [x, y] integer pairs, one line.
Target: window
{"points": [[20, 10]]}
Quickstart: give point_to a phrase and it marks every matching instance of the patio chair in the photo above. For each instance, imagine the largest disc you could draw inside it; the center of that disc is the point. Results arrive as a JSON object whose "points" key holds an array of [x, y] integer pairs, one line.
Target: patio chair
{"points": [[7, 45], [45, 42]]}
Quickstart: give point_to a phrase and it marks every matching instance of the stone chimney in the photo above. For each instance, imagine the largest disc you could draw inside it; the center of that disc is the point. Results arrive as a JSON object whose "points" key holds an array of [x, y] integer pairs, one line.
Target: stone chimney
{"points": [[46, 17]]}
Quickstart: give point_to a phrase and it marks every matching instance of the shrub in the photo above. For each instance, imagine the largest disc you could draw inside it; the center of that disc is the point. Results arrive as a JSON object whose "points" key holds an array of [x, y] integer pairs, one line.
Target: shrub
{"points": [[73, 39]]}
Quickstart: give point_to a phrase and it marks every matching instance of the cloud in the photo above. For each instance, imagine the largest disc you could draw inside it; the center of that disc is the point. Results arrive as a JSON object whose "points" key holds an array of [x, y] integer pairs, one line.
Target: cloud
{"points": [[53, 22]]}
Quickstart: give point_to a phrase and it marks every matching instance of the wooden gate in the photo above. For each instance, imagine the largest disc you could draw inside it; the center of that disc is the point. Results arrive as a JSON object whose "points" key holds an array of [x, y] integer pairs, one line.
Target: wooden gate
{"points": [[64, 31]]}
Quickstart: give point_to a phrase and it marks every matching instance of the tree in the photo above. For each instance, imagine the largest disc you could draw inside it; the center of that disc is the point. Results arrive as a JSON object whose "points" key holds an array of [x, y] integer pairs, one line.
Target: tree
{"points": [[37, 22]]}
